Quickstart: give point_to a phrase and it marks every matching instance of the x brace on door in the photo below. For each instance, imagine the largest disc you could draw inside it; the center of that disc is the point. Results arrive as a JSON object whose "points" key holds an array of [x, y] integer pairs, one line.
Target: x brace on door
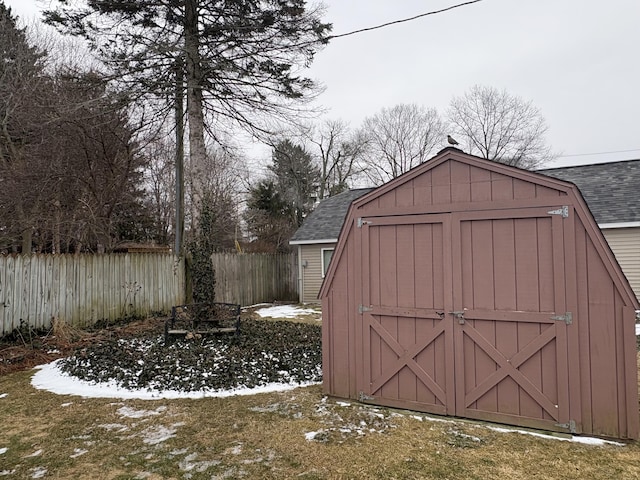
{"points": [[509, 367]]}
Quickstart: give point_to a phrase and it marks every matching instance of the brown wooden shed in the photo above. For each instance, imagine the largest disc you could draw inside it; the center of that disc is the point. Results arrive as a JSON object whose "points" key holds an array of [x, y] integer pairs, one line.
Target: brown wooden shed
{"points": [[470, 288]]}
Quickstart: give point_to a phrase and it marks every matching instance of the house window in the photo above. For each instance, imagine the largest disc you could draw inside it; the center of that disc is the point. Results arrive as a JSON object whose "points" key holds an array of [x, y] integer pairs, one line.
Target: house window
{"points": [[327, 253]]}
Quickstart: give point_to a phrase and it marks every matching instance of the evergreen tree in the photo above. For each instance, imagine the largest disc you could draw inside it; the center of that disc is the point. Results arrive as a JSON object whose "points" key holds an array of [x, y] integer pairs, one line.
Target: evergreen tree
{"points": [[269, 217], [297, 179]]}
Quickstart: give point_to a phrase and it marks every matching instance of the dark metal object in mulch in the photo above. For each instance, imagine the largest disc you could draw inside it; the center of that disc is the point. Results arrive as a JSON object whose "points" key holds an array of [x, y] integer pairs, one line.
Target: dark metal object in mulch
{"points": [[206, 318]]}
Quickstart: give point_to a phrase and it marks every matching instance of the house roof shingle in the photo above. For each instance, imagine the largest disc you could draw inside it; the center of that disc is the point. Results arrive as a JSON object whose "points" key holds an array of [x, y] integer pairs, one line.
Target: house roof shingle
{"points": [[325, 222], [612, 190]]}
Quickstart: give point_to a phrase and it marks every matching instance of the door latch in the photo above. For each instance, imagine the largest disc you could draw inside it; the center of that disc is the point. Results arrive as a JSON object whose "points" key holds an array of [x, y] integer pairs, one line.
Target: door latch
{"points": [[459, 315]]}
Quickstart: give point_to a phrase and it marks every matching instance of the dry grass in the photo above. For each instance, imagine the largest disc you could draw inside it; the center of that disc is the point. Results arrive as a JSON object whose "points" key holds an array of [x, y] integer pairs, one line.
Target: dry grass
{"points": [[265, 436], [298, 434]]}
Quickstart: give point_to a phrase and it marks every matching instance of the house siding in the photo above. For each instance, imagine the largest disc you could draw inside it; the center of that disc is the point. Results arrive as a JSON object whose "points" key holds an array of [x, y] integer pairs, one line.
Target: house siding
{"points": [[625, 244], [312, 273]]}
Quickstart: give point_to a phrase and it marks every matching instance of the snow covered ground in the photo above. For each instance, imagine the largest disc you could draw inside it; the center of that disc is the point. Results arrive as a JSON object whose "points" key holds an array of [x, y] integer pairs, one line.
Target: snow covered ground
{"points": [[50, 377], [285, 311]]}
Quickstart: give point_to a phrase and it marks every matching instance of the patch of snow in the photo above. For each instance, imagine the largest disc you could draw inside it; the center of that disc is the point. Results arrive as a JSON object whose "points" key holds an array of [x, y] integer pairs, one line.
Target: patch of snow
{"points": [[158, 434], [637, 328], [182, 451], [49, 377], [235, 450], [6, 472], [2, 395], [114, 426], [128, 412], [285, 311], [37, 453], [77, 452], [188, 464], [343, 404], [66, 404], [309, 436], [38, 472], [465, 435], [3, 450], [572, 438]]}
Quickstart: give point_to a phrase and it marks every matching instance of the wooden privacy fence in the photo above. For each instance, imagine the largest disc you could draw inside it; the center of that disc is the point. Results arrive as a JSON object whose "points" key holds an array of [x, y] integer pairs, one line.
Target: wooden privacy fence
{"points": [[250, 278], [82, 289]]}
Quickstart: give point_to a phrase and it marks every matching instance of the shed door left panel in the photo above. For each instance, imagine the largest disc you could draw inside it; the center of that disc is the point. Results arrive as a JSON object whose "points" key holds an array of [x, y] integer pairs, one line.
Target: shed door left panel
{"points": [[407, 357]]}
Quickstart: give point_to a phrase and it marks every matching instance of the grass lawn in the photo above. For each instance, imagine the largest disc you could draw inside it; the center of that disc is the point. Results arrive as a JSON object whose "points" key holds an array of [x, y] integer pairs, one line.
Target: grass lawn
{"points": [[295, 434]]}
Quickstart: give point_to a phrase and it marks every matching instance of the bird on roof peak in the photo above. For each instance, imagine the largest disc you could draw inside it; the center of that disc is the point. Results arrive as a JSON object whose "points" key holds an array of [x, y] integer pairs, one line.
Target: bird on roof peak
{"points": [[451, 140]]}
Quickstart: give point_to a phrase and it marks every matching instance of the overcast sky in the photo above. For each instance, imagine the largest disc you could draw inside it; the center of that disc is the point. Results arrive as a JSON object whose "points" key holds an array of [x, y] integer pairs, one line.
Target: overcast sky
{"points": [[578, 61]]}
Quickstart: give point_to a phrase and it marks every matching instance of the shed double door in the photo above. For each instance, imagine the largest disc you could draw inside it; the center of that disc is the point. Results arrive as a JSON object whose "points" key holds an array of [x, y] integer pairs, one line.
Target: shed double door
{"points": [[464, 314]]}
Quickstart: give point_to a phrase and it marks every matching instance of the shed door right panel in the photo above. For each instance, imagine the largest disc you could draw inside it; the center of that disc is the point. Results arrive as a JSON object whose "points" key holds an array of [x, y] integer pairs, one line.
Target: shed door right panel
{"points": [[511, 353]]}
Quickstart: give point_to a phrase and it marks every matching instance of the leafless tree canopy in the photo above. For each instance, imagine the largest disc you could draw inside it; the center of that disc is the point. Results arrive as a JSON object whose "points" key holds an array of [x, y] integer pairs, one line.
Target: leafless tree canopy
{"points": [[339, 153], [400, 138], [496, 125]]}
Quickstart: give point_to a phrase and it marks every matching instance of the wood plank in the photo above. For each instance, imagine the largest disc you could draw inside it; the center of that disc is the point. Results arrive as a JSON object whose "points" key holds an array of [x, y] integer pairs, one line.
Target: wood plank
{"points": [[460, 182], [602, 343], [527, 265], [505, 255], [481, 269]]}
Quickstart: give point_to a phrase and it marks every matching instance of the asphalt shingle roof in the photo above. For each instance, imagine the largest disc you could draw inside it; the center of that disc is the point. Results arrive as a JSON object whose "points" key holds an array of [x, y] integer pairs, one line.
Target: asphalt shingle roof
{"points": [[325, 222], [612, 190]]}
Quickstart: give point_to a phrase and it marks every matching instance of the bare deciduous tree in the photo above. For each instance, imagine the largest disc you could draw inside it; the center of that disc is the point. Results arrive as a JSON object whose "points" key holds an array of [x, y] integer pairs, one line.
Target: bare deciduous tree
{"points": [[496, 125], [340, 153], [400, 138], [215, 187], [160, 186]]}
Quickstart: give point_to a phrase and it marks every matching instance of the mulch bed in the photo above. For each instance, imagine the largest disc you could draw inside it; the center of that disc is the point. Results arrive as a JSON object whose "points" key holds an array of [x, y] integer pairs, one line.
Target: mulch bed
{"points": [[22, 351], [135, 355]]}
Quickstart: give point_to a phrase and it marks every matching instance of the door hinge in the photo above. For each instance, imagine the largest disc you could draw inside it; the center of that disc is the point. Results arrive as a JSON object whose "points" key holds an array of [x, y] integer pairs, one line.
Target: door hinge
{"points": [[363, 397], [566, 318], [362, 222], [362, 309], [564, 211], [571, 426]]}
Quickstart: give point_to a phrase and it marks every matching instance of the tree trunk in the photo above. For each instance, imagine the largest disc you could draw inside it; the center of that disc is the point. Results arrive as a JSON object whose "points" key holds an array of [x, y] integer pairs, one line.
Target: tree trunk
{"points": [[179, 111], [195, 115]]}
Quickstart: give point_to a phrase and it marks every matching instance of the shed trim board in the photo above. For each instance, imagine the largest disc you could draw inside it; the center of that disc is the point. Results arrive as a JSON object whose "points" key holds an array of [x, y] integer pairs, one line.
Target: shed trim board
{"points": [[469, 288]]}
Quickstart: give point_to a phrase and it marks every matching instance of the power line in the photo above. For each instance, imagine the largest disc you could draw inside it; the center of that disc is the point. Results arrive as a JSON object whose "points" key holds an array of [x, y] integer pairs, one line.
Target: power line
{"points": [[367, 29], [599, 153]]}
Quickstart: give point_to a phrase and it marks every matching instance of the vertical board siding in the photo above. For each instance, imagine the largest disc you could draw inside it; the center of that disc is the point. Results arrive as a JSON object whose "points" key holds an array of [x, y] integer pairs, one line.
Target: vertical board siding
{"points": [[251, 278], [83, 289]]}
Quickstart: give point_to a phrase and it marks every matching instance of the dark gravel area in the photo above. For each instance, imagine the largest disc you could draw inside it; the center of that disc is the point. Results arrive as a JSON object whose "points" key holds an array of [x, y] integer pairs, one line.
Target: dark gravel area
{"points": [[264, 352]]}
